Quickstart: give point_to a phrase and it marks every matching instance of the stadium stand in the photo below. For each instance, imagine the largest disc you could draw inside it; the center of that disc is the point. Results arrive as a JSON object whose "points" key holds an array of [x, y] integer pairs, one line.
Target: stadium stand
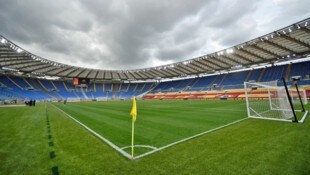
{"points": [[39, 89]]}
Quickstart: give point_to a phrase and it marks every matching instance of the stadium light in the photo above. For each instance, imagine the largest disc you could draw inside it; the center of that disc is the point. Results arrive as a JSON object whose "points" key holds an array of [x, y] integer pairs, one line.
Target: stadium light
{"points": [[3, 41], [19, 50], [229, 51], [290, 30], [298, 26]]}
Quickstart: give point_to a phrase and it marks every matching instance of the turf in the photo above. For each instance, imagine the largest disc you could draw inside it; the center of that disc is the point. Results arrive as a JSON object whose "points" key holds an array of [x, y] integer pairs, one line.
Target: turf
{"points": [[249, 147], [159, 122]]}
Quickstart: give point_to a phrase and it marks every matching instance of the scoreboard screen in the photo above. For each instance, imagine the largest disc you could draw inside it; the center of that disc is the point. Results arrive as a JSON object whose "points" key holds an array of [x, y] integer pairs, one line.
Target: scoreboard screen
{"points": [[81, 81], [75, 81]]}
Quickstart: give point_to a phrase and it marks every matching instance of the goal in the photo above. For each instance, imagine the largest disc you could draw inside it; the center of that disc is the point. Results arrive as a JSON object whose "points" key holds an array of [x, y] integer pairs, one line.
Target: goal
{"points": [[267, 100]]}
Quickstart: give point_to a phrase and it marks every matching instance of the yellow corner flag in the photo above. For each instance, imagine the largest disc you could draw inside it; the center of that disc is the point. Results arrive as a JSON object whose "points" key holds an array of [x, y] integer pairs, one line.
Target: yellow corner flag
{"points": [[133, 112]]}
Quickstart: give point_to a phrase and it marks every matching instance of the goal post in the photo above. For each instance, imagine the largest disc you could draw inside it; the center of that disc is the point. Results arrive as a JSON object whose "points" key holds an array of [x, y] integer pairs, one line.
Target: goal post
{"points": [[267, 100]]}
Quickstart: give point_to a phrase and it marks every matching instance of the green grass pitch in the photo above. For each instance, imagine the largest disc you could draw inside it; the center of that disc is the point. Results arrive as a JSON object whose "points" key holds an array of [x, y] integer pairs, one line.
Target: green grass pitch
{"points": [[28, 138], [159, 122]]}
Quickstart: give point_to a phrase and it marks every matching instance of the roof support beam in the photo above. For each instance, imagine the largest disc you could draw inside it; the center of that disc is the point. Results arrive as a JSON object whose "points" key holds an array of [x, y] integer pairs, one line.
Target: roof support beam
{"points": [[181, 69], [157, 73], [287, 37], [62, 71], [186, 68], [264, 50], [44, 72], [252, 54], [152, 74], [214, 63], [205, 65], [197, 69], [209, 64], [223, 62], [230, 59], [31, 65], [177, 72], [22, 62], [14, 56], [242, 57], [14, 59], [33, 70], [278, 46], [148, 75], [78, 75]]}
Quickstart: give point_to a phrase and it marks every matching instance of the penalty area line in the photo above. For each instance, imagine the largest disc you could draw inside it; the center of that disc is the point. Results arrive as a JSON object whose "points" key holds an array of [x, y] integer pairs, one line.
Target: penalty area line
{"points": [[96, 134], [186, 139]]}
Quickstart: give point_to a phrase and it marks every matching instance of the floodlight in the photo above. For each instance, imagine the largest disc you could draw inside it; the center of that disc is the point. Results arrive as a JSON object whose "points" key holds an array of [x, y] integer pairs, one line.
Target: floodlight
{"points": [[298, 26], [3, 41], [19, 50]]}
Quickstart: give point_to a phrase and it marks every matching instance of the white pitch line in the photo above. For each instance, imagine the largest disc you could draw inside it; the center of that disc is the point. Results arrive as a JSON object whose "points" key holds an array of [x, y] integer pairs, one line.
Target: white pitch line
{"points": [[186, 139], [139, 146], [96, 134]]}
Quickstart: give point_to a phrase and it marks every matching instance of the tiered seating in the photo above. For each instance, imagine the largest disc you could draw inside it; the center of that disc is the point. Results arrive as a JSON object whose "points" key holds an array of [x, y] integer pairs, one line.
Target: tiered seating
{"points": [[62, 90], [186, 88], [300, 69], [47, 84], [15, 89], [99, 91], [255, 75], [274, 73]]}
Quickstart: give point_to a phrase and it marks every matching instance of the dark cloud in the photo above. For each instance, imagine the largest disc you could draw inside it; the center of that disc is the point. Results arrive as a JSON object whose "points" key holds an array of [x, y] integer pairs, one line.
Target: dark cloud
{"points": [[134, 34]]}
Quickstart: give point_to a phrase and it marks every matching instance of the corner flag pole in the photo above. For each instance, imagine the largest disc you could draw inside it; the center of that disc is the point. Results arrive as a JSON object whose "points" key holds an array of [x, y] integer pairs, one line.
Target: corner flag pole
{"points": [[133, 113], [132, 137]]}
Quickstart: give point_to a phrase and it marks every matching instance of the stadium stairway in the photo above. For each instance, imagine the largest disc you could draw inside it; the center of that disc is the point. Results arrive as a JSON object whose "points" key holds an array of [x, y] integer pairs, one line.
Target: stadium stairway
{"points": [[288, 71], [84, 95], [14, 82], [261, 75]]}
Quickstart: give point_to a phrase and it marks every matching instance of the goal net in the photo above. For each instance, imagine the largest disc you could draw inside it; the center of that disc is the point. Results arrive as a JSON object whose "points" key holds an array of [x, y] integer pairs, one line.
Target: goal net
{"points": [[267, 100], [295, 97]]}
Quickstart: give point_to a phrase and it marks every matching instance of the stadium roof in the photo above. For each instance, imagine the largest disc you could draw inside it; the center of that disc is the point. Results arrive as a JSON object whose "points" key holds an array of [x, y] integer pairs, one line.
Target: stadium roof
{"points": [[289, 43]]}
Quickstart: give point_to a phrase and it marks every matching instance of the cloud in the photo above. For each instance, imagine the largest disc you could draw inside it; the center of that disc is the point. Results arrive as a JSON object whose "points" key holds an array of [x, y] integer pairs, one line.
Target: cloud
{"points": [[130, 34]]}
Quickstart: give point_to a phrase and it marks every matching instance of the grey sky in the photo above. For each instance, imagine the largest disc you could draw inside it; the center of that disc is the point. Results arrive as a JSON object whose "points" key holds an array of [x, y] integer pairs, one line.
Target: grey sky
{"points": [[128, 34]]}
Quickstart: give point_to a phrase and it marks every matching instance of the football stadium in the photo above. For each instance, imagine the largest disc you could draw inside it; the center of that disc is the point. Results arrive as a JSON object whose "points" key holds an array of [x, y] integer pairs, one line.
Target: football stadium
{"points": [[239, 110]]}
